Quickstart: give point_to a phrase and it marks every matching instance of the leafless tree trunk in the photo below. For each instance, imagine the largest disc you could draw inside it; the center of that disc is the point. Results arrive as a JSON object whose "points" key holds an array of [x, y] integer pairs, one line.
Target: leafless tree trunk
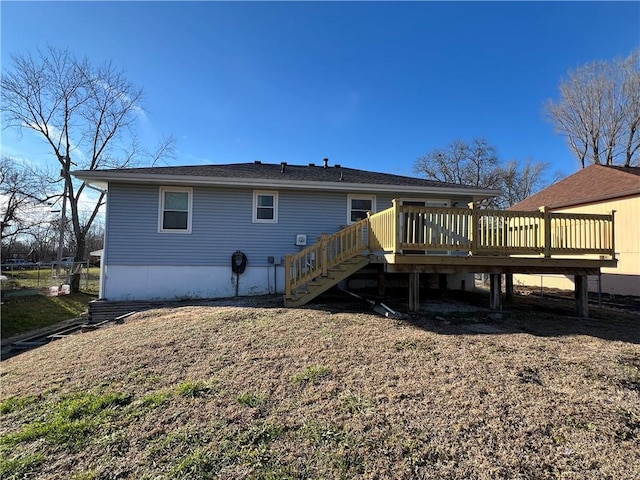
{"points": [[85, 114], [599, 111]]}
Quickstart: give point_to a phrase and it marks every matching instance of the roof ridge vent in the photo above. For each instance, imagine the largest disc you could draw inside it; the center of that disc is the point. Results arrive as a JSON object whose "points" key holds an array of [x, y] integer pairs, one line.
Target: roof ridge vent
{"points": [[257, 162], [337, 165], [312, 164]]}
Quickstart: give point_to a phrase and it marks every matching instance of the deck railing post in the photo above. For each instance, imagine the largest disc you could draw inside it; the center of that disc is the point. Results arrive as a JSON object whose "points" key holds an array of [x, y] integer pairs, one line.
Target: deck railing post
{"points": [[473, 229], [613, 235], [287, 276], [546, 231], [396, 225], [323, 253]]}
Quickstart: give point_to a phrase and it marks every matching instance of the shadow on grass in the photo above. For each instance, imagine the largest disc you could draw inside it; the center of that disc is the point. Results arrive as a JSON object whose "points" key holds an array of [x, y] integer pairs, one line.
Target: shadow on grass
{"points": [[461, 313], [24, 314], [467, 313]]}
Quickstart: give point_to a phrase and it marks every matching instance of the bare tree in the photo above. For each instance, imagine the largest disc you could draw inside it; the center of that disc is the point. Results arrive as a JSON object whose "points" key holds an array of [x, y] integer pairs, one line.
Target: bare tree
{"points": [[23, 193], [477, 164], [467, 163], [85, 114], [519, 181], [599, 111]]}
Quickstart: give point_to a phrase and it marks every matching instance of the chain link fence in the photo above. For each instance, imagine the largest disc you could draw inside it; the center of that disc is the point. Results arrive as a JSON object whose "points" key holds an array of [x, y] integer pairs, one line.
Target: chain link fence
{"points": [[23, 279]]}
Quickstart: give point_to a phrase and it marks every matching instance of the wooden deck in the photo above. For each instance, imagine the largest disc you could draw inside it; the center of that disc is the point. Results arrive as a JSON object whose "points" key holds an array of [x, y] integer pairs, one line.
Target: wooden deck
{"points": [[417, 239]]}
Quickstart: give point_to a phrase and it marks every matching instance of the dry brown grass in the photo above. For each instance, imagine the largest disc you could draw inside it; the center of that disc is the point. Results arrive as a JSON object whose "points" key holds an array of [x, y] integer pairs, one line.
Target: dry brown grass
{"points": [[250, 392]]}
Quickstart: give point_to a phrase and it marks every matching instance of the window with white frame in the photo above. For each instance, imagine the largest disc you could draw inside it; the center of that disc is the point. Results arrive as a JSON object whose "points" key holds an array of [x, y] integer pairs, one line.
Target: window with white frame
{"points": [[359, 206], [265, 207], [175, 210]]}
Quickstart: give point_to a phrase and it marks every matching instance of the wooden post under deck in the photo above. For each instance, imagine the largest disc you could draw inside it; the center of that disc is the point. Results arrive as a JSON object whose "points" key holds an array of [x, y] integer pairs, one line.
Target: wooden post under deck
{"points": [[495, 302], [582, 295], [414, 292], [381, 280], [443, 285], [508, 287]]}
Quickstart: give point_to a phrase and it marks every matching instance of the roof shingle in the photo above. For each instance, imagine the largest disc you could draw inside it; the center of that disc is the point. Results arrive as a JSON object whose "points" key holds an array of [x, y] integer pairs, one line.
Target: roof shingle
{"points": [[277, 172], [591, 184]]}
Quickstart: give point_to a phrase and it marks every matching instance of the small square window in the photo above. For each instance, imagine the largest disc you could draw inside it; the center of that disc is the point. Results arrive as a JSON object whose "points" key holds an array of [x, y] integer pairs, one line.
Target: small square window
{"points": [[265, 207], [359, 206], [175, 210]]}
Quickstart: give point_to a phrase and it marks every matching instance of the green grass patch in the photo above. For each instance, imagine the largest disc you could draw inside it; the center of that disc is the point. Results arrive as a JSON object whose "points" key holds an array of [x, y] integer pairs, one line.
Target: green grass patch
{"points": [[252, 400], [24, 314], [14, 404], [199, 464], [193, 389], [154, 400], [356, 404], [312, 374], [20, 466], [71, 421]]}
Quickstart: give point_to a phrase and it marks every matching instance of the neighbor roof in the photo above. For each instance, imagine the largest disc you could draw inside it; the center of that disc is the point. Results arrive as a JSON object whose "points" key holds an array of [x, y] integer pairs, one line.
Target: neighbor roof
{"points": [[594, 183], [283, 175]]}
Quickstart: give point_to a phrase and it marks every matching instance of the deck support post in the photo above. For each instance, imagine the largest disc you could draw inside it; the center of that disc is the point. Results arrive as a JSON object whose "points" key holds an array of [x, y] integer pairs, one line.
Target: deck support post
{"points": [[414, 292], [495, 301], [508, 287], [381, 280], [582, 295], [443, 284]]}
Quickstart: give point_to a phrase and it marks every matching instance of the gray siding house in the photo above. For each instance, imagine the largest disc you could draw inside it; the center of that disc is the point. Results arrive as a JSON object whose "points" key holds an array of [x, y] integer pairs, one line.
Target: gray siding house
{"points": [[170, 232]]}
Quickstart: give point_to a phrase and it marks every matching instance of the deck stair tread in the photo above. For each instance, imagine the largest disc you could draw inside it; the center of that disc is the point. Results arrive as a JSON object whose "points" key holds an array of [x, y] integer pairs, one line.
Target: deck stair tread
{"points": [[319, 285]]}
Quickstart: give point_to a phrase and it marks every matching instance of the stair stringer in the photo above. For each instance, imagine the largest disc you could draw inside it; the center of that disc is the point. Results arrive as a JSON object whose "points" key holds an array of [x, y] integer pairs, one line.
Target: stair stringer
{"points": [[319, 285]]}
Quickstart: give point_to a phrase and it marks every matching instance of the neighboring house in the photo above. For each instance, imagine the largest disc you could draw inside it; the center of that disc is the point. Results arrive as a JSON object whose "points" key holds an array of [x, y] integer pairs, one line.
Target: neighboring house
{"points": [[597, 189], [170, 232]]}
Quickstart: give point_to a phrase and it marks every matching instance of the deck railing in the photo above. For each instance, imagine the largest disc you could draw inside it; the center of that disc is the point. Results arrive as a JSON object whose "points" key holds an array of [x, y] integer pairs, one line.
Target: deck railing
{"points": [[404, 229], [327, 252], [413, 229]]}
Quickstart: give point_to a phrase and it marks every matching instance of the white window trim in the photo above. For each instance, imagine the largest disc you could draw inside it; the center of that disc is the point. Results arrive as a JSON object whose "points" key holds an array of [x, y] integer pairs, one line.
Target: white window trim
{"points": [[354, 196], [188, 190], [254, 215]]}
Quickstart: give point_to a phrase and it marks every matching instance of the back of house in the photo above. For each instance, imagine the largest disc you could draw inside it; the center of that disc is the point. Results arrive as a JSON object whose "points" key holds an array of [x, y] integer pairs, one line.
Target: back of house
{"points": [[171, 232]]}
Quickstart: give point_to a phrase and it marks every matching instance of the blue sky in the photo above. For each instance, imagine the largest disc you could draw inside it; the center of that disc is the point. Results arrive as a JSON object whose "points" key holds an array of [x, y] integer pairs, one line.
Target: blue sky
{"points": [[371, 85]]}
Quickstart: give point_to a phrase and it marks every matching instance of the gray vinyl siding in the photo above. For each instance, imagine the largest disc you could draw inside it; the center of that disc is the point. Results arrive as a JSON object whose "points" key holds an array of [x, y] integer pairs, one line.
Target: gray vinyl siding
{"points": [[221, 224]]}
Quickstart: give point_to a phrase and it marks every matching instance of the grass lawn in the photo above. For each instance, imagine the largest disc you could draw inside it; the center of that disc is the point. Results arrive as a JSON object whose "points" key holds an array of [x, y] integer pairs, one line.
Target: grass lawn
{"points": [[328, 392], [23, 314], [45, 277]]}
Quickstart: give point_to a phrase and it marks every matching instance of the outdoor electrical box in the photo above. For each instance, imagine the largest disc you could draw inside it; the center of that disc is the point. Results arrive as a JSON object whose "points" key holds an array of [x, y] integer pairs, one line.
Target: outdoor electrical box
{"points": [[301, 239]]}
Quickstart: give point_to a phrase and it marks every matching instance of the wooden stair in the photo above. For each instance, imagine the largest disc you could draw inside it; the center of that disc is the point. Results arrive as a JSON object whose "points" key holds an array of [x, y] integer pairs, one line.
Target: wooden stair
{"points": [[321, 284]]}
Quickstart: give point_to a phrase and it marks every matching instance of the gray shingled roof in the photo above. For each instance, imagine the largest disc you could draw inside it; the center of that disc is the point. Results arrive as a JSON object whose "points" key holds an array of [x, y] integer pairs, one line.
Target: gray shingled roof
{"points": [[278, 172]]}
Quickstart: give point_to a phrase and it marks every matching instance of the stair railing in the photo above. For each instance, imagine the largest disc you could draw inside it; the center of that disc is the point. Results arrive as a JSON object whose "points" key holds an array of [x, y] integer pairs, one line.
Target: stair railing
{"points": [[328, 252]]}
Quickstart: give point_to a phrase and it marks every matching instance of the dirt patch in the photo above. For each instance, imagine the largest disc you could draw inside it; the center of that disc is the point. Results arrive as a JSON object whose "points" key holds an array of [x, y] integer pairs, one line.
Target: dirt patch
{"points": [[227, 391]]}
